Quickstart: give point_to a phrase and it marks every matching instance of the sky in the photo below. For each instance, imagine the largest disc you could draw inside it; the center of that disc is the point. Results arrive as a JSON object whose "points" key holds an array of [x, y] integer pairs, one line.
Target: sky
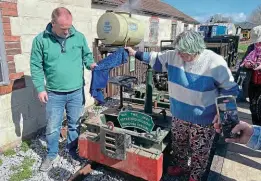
{"points": [[201, 10]]}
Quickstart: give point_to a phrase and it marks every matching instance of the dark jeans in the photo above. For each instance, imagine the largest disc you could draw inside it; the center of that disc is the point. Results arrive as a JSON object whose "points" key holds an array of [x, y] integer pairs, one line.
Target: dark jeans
{"points": [[254, 93], [73, 103]]}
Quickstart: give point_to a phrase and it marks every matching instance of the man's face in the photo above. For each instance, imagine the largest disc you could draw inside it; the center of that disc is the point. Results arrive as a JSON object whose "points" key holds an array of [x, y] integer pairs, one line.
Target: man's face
{"points": [[62, 26], [186, 57]]}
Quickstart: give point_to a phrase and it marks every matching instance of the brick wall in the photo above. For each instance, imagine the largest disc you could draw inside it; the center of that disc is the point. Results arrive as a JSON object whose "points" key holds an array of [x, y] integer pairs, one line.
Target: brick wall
{"points": [[12, 46]]}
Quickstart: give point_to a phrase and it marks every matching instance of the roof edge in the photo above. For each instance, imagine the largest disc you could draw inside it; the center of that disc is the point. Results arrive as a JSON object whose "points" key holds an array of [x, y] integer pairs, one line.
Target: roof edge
{"points": [[185, 19]]}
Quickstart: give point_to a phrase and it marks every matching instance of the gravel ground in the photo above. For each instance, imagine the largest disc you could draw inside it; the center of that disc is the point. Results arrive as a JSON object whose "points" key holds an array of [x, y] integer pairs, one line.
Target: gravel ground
{"points": [[61, 170], [63, 167]]}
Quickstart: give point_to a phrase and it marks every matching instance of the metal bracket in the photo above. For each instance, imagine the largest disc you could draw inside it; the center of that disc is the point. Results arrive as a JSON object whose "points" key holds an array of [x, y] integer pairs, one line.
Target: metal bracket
{"points": [[114, 144]]}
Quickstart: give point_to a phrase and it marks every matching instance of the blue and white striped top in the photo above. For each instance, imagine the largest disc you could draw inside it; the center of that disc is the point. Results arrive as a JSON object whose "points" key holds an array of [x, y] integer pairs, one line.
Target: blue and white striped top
{"points": [[193, 86]]}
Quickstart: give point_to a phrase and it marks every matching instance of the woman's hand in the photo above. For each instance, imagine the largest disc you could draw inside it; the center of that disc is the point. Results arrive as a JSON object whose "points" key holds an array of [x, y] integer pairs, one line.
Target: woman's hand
{"points": [[131, 51], [247, 65], [258, 67]]}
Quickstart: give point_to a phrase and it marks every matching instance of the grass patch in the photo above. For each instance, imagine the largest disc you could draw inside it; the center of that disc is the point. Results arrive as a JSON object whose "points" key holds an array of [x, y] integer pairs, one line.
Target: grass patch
{"points": [[44, 148], [243, 47], [22, 175], [241, 55], [28, 162], [24, 170], [15, 167], [25, 146], [1, 162], [9, 152]]}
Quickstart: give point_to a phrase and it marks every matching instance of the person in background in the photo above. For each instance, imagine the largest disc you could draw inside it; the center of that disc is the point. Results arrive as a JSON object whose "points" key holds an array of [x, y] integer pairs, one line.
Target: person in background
{"points": [[250, 135], [252, 62], [59, 55], [196, 76]]}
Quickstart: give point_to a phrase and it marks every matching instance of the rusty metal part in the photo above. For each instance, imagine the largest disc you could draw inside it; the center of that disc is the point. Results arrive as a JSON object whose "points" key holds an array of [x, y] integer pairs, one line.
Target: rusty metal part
{"points": [[63, 133], [114, 144], [80, 174]]}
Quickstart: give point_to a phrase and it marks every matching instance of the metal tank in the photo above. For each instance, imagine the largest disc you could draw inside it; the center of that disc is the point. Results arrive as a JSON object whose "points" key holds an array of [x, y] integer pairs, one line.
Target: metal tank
{"points": [[119, 28]]}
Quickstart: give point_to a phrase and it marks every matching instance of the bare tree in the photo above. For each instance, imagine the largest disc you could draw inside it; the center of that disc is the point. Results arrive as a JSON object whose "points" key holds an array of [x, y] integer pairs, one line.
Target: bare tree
{"points": [[255, 16]]}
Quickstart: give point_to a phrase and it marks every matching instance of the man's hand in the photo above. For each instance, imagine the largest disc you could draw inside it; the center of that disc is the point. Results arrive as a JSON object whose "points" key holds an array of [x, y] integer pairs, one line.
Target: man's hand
{"points": [[92, 66], [43, 97], [131, 51], [244, 128], [258, 67]]}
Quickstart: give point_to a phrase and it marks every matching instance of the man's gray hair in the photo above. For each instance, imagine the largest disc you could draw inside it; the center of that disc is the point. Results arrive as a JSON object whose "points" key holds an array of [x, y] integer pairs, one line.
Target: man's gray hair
{"points": [[190, 42], [57, 12]]}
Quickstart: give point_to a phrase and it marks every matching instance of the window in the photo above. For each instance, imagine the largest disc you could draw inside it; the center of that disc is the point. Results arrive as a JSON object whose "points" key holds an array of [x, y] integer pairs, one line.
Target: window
{"points": [[154, 30], [192, 27], [173, 31], [185, 27], [4, 79], [195, 27]]}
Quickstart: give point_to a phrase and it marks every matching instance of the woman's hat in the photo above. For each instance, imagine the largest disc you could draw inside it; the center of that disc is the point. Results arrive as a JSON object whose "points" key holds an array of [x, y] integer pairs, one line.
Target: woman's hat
{"points": [[256, 34]]}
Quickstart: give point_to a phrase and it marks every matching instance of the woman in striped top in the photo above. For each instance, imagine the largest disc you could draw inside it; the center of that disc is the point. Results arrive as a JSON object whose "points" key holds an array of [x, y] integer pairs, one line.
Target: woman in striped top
{"points": [[196, 76]]}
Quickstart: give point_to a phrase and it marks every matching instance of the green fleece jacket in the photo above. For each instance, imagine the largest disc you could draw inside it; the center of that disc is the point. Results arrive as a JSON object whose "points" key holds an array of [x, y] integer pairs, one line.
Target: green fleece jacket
{"points": [[61, 64]]}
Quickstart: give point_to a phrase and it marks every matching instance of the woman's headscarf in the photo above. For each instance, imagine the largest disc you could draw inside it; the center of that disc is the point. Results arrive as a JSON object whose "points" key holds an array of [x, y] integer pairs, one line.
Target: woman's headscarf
{"points": [[255, 55]]}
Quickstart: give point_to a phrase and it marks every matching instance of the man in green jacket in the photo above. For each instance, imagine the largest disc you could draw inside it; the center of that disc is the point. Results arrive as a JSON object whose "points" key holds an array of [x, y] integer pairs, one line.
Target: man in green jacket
{"points": [[59, 55]]}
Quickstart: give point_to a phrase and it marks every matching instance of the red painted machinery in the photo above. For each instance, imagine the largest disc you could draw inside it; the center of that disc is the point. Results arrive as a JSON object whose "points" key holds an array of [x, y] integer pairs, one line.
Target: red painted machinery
{"points": [[128, 138]]}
